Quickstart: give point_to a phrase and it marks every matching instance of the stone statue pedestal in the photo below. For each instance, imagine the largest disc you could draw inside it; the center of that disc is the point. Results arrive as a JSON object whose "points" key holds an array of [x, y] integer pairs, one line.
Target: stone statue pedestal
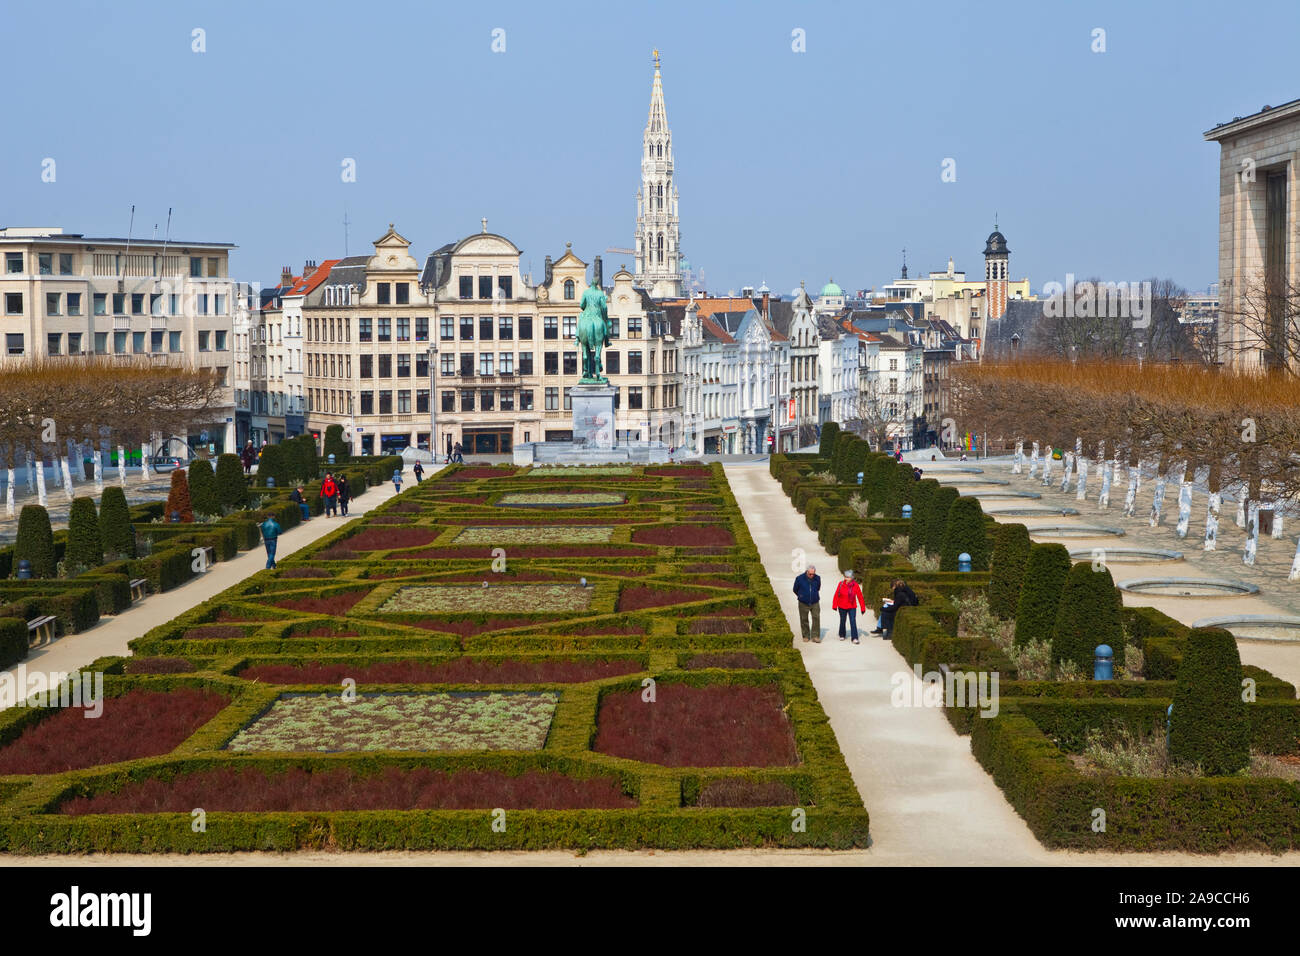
{"points": [[593, 415]]}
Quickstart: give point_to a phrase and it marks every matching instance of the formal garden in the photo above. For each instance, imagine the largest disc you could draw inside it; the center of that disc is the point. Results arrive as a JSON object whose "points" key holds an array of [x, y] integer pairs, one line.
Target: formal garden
{"points": [[497, 658], [1090, 761]]}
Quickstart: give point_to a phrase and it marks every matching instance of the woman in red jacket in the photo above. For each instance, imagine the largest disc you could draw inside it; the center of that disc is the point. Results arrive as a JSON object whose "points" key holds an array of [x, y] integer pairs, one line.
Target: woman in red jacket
{"points": [[330, 492], [848, 599]]}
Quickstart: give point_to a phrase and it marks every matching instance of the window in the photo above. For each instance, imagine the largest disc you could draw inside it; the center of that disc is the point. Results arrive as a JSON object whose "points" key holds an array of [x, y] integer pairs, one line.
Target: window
{"points": [[448, 401], [507, 400], [65, 265], [101, 343], [403, 366], [137, 343], [174, 307], [506, 363], [219, 308], [366, 366], [568, 399], [51, 303], [221, 341], [570, 326], [422, 364], [525, 363], [422, 400], [611, 363], [155, 303], [893, 365], [466, 363], [485, 363], [570, 363], [487, 400], [552, 399], [525, 326], [467, 328], [550, 327], [568, 289], [383, 293], [137, 303], [403, 329], [14, 343], [617, 402], [633, 327], [385, 402], [214, 267], [613, 328], [467, 287], [634, 396], [404, 402], [422, 329], [196, 267], [505, 327], [467, 400], [485, 328], [385, 330], [363, 330], [54, 342], [13, 263], [202, 301], [634, 363], [156, 340], [13, 304], [367, 403], [505, 285], [385, 366], [526, 400], [203, 341], [74, 343], [101, 303], [119, 343], [485, 287], [448, 364], [173, 341], [403, 292], [446, 328], [653, 389], [551, 362], [45, 264], [119, 303]]}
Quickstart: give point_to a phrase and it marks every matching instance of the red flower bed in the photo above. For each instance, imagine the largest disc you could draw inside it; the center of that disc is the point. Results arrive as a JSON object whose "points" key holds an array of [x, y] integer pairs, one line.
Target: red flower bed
{"points": [[465, 670], [719, 625], [138, 724], [157, 665], [713, 726], [599, 630], [639, 598], [533, 551], [701, 506], [323, 632], [680, 472], [393, 788], [382, 539], [469, 474], [305, 573], [406, 508], [389, 519], [466, 628], [747, 793], [464, 499], [709, 568], [719, 583], [333, 604], [337, 552], [694, 535], [731, 660], [220, 632]]}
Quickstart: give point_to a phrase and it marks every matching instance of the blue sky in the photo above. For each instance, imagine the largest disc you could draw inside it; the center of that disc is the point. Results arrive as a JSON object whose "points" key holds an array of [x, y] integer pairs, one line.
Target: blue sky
{"points": [[790, 165]]}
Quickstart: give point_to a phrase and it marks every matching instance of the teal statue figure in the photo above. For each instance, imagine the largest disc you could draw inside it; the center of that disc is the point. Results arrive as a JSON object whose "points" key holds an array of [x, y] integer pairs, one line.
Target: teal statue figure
{"points": [[593, 335]]}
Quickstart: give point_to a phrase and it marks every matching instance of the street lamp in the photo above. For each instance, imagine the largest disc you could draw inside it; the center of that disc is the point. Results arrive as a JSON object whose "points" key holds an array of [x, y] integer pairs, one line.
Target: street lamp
{"points": [[433, 405]]}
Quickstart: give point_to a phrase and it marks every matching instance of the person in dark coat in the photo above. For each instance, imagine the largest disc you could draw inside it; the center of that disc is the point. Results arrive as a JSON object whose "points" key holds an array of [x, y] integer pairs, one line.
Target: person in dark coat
{"points": [[807, 588], [458, 457], [248, 457], [419, 472], [903, 596], [297, 498], [270, 537], [345, 493]]}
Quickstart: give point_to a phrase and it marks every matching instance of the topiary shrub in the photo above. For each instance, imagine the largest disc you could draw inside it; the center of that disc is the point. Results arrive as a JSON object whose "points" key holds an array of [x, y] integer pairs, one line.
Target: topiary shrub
{"points": [[273, 464], [85, 545], [1087, 615], [830, 434], [115, 529], [232, 486], [336, 446], [35, 542], [1040, 595], [1209, 725], [965, 532], [902, 486], [178, 498], [309, 457], [1010, 555], [941, 503], [922, 497], [203, 488]]}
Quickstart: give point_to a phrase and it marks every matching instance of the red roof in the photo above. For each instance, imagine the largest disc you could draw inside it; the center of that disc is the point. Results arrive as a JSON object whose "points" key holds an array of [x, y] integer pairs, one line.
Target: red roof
{"points": [[717, 331]]}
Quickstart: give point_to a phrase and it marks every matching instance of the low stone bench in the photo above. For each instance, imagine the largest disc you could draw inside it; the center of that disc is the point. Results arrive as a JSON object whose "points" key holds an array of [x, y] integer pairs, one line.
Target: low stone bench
{"points": [[139, 588], [40, 630]]}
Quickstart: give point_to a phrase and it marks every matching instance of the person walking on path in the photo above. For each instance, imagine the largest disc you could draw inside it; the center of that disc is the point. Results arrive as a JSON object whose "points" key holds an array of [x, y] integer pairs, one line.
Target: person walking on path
{"points": [[807, 588], [419, 472], [903, 596], [296, 496], [329, 492], [458, 457], [248, 457], [345, 493], [397, 480], [270, 537], [848, 599]]}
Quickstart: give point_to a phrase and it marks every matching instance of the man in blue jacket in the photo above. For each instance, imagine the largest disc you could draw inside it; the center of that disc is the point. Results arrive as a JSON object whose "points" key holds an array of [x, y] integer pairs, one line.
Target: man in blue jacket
{"points": [[807, 588], [270, 537]]}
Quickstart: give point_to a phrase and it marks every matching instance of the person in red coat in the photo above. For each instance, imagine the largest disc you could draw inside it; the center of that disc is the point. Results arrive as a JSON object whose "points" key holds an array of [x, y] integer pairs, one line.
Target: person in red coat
{"points": [[330, 492], [848, 600]]}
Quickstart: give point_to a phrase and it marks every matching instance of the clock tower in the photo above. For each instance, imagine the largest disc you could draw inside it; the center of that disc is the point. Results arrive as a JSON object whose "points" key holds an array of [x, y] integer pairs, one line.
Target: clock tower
{"points": [[997, 261], [658, 233]]}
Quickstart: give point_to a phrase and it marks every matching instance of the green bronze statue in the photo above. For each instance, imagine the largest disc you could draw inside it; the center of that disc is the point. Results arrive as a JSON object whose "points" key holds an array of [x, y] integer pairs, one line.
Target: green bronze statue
{"points": [[593, 335]]}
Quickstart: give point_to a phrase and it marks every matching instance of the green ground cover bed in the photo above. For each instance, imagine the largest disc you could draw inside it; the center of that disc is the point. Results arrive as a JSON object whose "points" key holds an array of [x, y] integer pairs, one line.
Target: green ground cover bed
{"points": [[332, 723], [577, 500], [370, 694]]}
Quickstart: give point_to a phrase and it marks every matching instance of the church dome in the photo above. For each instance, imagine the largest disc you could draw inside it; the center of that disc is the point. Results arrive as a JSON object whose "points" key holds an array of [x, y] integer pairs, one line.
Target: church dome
{"points": [[831, 289], [996, 244]]}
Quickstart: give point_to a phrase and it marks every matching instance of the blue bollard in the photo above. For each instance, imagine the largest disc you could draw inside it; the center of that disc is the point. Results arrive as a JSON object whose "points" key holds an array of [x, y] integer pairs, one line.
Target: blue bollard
{"points": [[963, 562], [176, 517], [907, 512], [24, 570], [859, 477], [1169, 719], [1103, 666], [331, 459], [270, 481]]}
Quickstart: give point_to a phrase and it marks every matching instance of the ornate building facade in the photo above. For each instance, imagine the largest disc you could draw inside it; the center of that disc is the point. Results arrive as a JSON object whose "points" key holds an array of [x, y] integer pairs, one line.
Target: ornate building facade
{"points": [[658, 228]]}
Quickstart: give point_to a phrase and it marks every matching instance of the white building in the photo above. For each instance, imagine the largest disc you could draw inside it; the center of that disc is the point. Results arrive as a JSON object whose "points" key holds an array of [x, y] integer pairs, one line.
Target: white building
{"points": [[658, 227]]}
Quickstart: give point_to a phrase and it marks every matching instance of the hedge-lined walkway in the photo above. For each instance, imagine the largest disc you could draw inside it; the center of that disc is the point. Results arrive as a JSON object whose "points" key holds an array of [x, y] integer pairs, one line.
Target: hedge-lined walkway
{"points": [[111, 634]]}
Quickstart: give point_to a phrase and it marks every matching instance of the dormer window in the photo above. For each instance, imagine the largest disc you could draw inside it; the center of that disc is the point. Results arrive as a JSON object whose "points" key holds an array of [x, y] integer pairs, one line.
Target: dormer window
{"points": [[568, 289]]}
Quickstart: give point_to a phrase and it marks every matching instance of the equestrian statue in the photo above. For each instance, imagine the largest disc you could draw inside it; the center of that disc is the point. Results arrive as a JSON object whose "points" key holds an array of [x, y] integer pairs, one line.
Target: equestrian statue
{"points": [[593, 334]]}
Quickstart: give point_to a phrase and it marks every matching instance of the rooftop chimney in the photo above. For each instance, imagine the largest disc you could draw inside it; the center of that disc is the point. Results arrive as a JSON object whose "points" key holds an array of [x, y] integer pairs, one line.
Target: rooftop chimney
{"points": [[549, 266], [308, 268], [286, 276], [767, 312]]}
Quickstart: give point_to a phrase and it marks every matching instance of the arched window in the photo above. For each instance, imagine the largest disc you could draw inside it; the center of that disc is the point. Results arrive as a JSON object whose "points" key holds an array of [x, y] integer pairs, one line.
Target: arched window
{"points": [[659, 151], [568, 288], [660, 250]]}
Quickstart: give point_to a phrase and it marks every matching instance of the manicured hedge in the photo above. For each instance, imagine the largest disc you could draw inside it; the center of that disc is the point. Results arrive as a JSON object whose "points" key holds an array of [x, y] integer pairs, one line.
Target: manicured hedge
{"points": [[1010, 556], [1209, 726], [1040, 596]]}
